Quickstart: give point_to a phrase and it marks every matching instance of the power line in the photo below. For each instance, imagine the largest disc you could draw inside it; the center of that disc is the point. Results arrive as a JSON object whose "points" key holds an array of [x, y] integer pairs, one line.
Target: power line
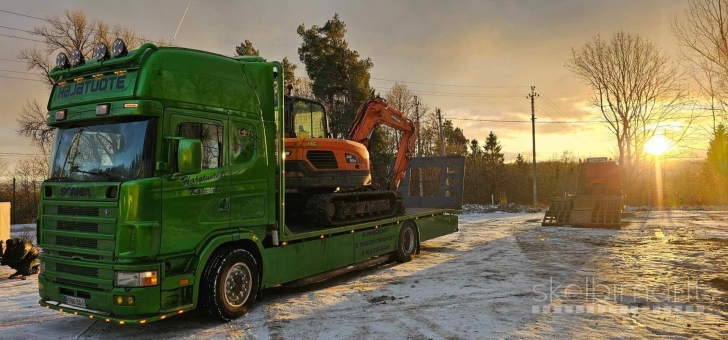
{"points": [[560, 111], [20, 78], [15, 61], [16, 37], [16, 29], [523, 121], [58, 22], [22, 15], [18, 72], [451, 85]]}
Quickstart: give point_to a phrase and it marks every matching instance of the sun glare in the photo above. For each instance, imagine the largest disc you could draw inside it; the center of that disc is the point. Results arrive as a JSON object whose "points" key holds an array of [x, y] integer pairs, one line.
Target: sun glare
{"points": [[657, 145]]}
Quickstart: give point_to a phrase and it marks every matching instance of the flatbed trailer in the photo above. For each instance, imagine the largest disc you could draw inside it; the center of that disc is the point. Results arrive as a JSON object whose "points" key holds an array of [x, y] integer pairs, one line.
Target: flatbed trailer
{"points": [[142, 224]]}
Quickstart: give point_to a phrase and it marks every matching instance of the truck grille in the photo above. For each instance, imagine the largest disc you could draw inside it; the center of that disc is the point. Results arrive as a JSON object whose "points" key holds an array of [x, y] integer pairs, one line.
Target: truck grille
{"points": [[78, 211], [77, 242], [83, 256], [77, 226], [322, 159], [77, 283], [78, 270]]}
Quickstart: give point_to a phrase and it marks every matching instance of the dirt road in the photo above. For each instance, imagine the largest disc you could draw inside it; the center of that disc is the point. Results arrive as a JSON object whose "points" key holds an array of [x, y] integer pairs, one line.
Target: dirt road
{"points": [[501, 276]]}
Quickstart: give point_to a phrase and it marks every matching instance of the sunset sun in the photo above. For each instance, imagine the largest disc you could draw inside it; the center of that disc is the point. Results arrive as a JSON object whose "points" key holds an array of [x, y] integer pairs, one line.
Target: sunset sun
{"points": [[657, 145]]}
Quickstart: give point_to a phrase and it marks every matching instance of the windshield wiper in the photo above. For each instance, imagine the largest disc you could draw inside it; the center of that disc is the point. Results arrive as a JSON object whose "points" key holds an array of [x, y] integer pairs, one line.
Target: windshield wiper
{"points": [[108, 176]]}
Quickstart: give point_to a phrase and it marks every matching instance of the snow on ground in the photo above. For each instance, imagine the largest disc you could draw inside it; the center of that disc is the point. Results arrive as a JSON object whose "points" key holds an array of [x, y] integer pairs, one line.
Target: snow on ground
{"points": [[493, 279]]}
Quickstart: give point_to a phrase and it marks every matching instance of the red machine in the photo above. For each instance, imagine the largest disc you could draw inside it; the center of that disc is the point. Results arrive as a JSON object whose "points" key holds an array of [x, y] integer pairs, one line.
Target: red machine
{"points": [[598, 200]]}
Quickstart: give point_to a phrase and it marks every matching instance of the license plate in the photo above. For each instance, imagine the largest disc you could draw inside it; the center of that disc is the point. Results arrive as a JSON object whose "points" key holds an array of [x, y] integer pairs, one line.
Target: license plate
{"points": [[76, 302]]}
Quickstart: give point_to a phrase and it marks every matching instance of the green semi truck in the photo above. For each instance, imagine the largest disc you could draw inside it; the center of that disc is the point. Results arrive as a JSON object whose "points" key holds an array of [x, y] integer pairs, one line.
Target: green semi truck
{"points": [[165, 192]]}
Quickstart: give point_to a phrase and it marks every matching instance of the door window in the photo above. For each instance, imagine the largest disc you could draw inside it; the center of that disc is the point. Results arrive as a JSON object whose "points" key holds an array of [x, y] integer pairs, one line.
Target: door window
{"points": [[211, 137]]}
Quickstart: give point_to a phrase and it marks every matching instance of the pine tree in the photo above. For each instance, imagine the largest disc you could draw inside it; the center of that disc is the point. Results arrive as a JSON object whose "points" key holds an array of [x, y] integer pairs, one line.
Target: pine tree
{"points": [[339, 77], [246, 49], [715, 166], [494, 164], [493, 154]]}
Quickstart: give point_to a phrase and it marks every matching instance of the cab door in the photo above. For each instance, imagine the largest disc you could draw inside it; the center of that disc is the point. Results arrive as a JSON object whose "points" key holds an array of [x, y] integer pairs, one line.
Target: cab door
{"points": [[195, 205], [249, 173]]}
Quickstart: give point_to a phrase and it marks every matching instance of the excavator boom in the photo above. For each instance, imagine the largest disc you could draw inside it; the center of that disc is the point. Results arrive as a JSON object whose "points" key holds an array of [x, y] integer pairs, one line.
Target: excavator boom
{"points": [[377, 112]]}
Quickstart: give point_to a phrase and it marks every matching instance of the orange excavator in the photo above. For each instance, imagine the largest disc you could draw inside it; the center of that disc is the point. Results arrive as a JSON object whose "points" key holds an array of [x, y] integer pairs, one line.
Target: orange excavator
{"points": [[328, 180]]}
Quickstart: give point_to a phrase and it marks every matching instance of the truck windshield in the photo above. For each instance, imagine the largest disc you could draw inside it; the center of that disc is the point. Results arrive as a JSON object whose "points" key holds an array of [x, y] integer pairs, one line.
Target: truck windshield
{"points": [[105, 152]]}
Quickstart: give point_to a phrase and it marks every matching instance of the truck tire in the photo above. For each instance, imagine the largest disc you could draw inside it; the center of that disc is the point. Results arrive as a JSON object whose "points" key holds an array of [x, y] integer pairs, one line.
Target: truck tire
{"points": [[229, 284], [407, 243]]}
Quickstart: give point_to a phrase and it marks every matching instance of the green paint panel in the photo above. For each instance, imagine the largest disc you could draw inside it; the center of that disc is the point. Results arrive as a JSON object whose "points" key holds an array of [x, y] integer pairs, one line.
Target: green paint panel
{"points": [[375, 242], [299, 260], [439, 225]]}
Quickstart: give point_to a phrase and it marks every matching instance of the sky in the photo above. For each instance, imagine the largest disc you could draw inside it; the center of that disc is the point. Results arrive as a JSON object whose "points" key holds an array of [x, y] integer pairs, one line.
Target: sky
{"points": [[492, 51]]}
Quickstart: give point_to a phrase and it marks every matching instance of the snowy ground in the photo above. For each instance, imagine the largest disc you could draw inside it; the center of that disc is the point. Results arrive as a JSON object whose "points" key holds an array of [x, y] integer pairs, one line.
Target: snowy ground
{"points": [[662, 276]]}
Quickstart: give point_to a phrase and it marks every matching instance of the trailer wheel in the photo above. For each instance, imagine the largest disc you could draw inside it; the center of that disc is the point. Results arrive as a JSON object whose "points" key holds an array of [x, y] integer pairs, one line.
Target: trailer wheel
{"points": [[407, 243], [229, 284]]}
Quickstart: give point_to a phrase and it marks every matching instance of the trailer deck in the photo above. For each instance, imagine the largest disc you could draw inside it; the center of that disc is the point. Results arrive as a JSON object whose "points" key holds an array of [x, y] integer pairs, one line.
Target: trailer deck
{"points": [[296, 231]]}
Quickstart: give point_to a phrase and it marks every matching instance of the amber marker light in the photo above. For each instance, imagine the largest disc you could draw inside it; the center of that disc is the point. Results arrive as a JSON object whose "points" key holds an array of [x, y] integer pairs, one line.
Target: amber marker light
{"points": [[162, 317], [184, 281], [180, 311], [121, 322], [143, 321]]}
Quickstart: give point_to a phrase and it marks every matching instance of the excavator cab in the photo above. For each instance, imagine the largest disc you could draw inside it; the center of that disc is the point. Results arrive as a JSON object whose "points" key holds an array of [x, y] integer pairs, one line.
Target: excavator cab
{"points": [[307, 118]]}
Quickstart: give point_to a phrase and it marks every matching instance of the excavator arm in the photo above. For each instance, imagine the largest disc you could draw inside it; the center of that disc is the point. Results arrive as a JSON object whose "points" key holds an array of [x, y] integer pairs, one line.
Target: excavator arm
{"points": [[375, 112]]}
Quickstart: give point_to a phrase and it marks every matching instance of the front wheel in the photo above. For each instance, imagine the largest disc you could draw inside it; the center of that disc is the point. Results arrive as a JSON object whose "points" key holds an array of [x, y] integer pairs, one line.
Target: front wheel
{"points": [[407, 243], [229, 284]]}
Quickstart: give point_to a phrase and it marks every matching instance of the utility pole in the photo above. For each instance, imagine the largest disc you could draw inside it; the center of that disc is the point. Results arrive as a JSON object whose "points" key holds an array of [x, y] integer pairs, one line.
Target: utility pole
{"points": [[12, 207], [417, 120], [418, 148], [533, 95], [439, 124]]}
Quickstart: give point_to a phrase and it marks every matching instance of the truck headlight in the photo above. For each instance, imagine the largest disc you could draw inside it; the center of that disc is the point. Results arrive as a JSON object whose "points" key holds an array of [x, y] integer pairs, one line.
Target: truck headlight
{"points": [[136, 279]]}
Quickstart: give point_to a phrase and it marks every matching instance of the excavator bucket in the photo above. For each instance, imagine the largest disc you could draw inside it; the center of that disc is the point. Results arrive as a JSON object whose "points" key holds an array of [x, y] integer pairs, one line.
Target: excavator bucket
{"points": [[598, 201], [584, 211], [558, 213]]}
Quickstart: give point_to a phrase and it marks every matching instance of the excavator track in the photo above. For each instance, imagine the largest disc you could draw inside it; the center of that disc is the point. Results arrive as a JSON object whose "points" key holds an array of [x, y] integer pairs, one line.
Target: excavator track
{"points": [[344, 208]]}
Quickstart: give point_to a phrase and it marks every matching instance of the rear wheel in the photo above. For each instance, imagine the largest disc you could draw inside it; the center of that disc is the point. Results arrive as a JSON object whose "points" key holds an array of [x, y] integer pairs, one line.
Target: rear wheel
{"points": [[407, 243], [229, 284]]}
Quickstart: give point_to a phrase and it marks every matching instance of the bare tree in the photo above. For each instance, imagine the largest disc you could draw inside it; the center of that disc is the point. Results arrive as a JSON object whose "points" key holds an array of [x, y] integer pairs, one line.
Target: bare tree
{"points": [[703, 36], [637, 91], [302, 87], [32, 125], [64, 34]]}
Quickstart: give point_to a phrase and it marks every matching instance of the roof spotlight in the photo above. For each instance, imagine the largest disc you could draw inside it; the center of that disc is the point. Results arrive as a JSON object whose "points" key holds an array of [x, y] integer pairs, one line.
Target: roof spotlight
{"points": [[62, 61], [77, 58], [118, 48], [102, 51]]}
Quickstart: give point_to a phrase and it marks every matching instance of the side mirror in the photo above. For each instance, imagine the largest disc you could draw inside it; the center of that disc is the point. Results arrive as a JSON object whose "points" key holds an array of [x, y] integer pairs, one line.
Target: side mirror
{"points": [[189, 156]]}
